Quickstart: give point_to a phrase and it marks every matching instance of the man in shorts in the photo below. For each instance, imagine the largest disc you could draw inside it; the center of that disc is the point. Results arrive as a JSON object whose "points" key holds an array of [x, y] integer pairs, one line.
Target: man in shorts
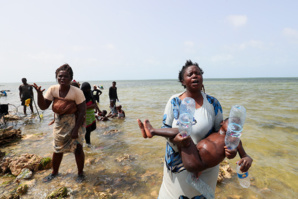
{"points": [[26, 92]]}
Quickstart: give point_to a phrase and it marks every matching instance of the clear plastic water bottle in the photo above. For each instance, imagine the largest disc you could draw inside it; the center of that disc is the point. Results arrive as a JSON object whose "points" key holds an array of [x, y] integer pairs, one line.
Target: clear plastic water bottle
{"points": [[237, 118], [186, 111], [232, 139], [200, 185], [185, 124], [243, 178], [188, 105], [235, 127]]}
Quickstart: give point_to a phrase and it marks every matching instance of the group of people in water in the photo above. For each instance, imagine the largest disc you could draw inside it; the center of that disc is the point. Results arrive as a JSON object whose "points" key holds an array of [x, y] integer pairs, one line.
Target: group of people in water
{"points": [[76, 111]]}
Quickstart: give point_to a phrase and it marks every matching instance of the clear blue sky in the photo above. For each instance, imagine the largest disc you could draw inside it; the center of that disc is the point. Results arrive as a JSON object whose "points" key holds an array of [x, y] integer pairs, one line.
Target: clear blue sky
{"points": [[147, 39]]}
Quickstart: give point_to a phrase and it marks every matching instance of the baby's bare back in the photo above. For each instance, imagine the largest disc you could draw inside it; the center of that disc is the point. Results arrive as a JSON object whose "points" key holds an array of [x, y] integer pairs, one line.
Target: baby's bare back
{"points": [[211, 149]]}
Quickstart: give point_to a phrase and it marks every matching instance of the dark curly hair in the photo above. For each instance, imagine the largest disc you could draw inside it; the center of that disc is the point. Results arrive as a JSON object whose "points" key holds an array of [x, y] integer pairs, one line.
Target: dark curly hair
{"points": [[66, 68], [187, 64]]}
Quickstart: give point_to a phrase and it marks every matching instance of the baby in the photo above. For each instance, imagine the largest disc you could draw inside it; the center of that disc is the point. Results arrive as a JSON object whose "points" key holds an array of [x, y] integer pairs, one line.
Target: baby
{"points": [[209, 151]]}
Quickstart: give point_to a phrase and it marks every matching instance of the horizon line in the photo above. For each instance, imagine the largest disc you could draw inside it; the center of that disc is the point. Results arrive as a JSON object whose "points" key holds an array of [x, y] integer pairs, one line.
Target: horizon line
{"points": [[171, 79]]}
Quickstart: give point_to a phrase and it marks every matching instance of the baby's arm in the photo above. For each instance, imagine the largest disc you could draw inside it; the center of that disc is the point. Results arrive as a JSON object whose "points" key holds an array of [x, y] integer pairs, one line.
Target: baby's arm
{"points": [[246, 160], [148, 131]]}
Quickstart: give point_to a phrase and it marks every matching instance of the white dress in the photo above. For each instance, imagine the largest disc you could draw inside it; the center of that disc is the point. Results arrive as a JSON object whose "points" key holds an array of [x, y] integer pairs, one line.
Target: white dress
{"points": [[208, 119]]}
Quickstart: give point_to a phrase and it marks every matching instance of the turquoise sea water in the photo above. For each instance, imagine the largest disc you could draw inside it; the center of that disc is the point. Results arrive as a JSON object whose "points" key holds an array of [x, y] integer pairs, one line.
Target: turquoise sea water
{"points": [[270, 137]]}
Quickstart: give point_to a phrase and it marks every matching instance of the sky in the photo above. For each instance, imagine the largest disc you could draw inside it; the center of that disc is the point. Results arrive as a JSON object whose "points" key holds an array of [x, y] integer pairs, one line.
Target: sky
{"points": [[147, 39]]}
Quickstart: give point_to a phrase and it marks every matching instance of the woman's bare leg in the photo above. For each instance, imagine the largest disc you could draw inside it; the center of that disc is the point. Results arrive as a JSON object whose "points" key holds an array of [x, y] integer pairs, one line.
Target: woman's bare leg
{"points": [[57, 158], [80, 159]]}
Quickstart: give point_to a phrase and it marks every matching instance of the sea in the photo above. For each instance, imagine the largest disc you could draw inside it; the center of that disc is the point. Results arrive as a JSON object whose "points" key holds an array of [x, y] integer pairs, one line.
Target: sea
{"points": [[122, 164]]}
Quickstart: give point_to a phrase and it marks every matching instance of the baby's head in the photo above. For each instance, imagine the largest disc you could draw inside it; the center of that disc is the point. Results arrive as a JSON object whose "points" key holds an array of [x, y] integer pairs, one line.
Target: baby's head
{"points": [[104, 113]]}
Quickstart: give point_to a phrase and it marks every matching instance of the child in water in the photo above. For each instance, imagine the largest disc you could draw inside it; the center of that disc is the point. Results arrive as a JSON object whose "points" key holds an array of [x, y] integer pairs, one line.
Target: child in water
{"points": [[210, 151], [102, 116], [113, 113], [121, 113]]}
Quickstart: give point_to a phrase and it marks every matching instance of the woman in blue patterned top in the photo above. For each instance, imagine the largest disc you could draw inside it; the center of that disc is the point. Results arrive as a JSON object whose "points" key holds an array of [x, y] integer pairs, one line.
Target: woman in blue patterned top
{"points": [[208, 115]]}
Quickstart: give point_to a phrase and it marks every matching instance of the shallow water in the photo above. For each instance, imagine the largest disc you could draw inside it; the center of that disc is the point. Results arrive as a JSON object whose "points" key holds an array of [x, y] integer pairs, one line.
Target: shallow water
{"points": [[270, 137]]}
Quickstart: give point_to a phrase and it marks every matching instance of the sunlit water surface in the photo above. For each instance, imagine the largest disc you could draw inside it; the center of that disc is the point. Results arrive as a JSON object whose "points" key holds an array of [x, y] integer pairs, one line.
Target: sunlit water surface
{"points": [[270, 138]]}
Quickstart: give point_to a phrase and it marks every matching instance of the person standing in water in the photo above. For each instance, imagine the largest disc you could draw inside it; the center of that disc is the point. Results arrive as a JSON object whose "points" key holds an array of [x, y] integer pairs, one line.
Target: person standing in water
{"points": [[96, 93], [26, 92], [209, 115], [69, 107], [90, 116], [113, 93]]}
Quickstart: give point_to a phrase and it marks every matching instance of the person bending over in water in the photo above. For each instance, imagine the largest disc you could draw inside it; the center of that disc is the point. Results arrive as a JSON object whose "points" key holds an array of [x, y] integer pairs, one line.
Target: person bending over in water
{"points": [[210, 151], [102, 116]]}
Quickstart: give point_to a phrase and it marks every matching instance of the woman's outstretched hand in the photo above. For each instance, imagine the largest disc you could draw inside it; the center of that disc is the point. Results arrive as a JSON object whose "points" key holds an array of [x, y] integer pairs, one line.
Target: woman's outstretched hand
{"points": [[38, 88]]}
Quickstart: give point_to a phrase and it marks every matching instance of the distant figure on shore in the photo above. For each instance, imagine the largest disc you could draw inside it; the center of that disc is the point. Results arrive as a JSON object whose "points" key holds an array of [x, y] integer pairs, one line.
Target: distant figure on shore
{"points": [[3, 93], [26, 92], [113, 93], [96, 93]]}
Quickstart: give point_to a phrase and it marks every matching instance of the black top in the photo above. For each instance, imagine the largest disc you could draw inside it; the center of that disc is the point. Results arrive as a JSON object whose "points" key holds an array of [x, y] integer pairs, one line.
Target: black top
{"points": [[26, 91], [113, 93], [95, 94]]}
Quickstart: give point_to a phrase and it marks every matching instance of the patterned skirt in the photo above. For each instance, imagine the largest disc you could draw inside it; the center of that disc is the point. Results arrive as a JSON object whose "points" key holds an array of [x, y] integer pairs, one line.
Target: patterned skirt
{"points": [[62, 133]]}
